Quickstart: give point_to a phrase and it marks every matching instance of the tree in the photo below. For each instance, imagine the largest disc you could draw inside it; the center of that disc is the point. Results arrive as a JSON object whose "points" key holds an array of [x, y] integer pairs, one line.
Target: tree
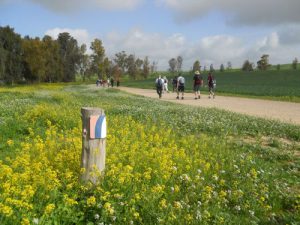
{"points": [[139, 63], [173, 65], [196, 66], [69, 52], [53, 61], [34, 59], [295, 64], [179, 63], [131, 66], [211, 68], [120, 60], [11, 64], [97, 57], [247, 66], [106, 68], [222, 68], [263, 63], [153, 66], [146, 67], [84, 64], [116, 71], [278, 67], [229, 65]]}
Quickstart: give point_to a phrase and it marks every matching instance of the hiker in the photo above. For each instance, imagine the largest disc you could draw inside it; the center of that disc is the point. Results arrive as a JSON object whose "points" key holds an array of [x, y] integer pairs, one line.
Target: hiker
{"points": [[180, 86], [166, 84], [174, 83], [211, 85], [118, 82], [112, 81], [159, 85], [98, 82], [198, 82]]}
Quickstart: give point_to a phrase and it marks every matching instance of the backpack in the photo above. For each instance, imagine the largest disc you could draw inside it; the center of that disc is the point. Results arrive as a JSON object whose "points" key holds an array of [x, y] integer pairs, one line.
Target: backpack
{"points": [[214, 83], [181, 81], [159, 82], [197, 79]]}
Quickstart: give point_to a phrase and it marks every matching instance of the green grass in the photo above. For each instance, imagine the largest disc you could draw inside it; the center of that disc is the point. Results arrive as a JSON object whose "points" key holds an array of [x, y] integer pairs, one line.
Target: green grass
{"points": [[271, 84], [186, 148]]}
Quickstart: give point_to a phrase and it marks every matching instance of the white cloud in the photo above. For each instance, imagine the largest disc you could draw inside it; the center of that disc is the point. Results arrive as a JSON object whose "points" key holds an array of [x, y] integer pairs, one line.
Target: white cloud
{"points": [[214, 50], [81, 35], [268, 43], [76, 5], [241, 12]]}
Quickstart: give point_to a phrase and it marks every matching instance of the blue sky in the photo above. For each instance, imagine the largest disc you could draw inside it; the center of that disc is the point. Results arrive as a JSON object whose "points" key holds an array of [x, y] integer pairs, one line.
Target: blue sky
{"points": [[204, 30]]}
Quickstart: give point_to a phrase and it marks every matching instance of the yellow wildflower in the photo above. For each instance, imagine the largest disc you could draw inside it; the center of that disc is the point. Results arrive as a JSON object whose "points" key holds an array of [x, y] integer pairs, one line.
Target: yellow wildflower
{"points": [[25, 221], [10, 142], [49, 208], [91, 201]]}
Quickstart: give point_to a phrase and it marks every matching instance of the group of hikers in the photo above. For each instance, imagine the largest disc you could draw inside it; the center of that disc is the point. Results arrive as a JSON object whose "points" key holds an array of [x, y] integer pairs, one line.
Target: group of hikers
{"points": [[109, 82], [178, 83]]}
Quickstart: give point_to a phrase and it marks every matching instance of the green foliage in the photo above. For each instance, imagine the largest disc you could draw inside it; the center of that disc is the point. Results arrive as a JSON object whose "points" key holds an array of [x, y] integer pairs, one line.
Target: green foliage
{"points": [[263, 63], [247, 66], [222, 68], [172, 65], [98, 66], [69, 53], [295, 64], [11, 65], [196, 66]]}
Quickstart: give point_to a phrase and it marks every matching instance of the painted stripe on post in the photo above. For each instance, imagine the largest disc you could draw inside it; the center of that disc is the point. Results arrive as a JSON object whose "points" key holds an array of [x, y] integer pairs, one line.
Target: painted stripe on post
{"points": [[100, 129], [97, 127]]}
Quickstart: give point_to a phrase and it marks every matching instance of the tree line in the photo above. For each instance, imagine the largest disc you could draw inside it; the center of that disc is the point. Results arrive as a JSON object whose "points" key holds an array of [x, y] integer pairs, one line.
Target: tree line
{"points": [[263, 64], [26, 59]]}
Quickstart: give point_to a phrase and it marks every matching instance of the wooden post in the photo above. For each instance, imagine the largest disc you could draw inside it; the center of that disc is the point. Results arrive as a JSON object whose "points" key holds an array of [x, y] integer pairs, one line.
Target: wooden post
{"points": [[93, 143]]}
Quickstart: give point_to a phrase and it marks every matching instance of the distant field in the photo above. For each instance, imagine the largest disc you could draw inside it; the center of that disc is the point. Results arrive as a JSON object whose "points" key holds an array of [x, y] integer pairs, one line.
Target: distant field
{"points": [[274, 84]]}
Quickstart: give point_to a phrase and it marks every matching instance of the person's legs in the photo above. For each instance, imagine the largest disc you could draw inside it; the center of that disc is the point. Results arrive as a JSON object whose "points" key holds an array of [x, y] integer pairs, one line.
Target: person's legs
{"points": [[157, 91], [166, 86]]}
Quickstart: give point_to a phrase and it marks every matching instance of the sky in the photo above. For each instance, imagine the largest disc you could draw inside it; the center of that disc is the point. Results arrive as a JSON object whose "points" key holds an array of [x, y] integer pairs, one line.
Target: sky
{"points": [[211, 31]]}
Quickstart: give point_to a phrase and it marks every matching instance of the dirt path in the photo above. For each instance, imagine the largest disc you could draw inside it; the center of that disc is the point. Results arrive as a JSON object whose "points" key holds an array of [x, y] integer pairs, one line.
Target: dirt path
{"points": [[283, 111]]}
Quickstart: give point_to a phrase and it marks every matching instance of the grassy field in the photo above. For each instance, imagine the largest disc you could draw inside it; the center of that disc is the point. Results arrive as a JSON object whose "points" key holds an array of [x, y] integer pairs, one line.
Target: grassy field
{"points": [[166, 163], [272, 84]]}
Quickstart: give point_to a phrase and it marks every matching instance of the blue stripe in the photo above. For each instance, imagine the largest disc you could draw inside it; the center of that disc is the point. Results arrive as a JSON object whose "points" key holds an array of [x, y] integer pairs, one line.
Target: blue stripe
{"points": [[98, 128]]}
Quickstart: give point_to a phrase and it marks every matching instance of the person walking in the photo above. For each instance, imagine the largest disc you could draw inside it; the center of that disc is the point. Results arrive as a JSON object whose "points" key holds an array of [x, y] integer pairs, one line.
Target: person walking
{"points": [[166, 84], [174, 83], [112, 81], [159, 85], [198, 82], [180, 86], [211, 85]]}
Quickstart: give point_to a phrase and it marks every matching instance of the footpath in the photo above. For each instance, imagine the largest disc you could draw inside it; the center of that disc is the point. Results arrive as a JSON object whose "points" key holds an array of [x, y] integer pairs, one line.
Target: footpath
{"points": [[284, 111]]}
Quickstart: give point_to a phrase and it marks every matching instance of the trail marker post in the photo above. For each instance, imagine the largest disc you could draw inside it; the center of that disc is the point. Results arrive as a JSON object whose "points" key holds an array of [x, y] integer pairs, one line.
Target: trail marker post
{"points": [[93, 143]]}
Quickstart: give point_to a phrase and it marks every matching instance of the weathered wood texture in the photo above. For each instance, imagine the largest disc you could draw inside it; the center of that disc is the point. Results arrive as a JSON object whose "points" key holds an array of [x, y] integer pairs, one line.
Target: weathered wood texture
{"points": [[93, 150]]}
